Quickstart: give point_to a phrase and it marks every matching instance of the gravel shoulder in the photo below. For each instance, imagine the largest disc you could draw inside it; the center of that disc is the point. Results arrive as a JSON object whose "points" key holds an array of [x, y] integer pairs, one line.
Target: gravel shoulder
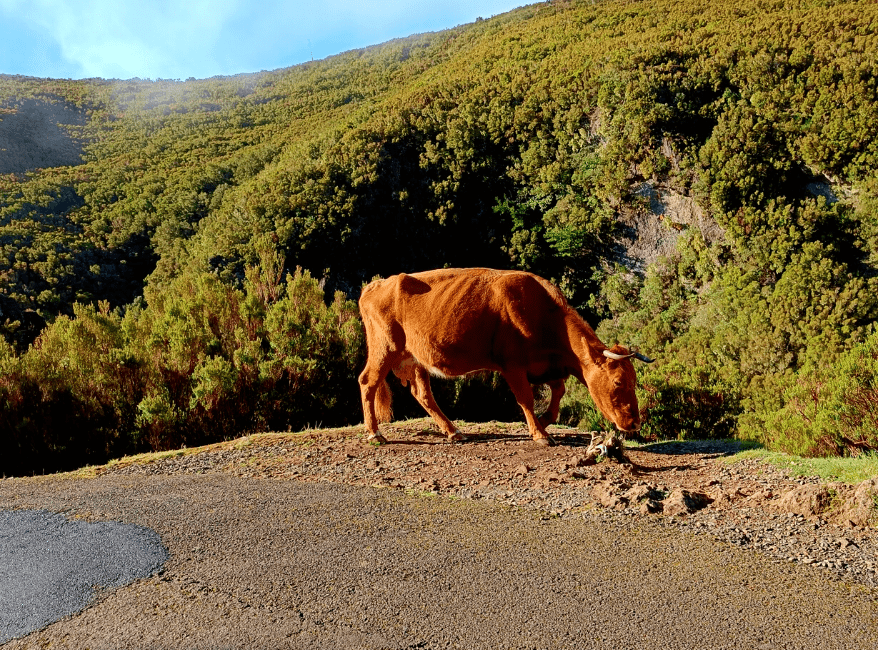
{"points": [[284, 540], [691, 485]]}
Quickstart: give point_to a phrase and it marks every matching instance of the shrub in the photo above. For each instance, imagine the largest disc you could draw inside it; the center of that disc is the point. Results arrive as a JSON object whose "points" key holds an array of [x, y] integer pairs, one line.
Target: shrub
{"points": [[69, 400], [830, 410], [675, 408], [578, 409], [676, 403], [202, 361]]}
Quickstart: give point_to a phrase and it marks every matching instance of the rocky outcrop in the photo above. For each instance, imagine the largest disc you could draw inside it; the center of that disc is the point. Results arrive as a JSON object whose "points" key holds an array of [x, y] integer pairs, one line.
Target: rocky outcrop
{"points": [[683, 502], [861, 508], [808, 500], [836, 502], [651, 500]]}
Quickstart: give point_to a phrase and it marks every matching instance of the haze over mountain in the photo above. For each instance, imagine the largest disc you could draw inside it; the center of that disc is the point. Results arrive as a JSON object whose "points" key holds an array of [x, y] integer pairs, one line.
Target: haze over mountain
{"points": [[123, 39], [698, 178]]}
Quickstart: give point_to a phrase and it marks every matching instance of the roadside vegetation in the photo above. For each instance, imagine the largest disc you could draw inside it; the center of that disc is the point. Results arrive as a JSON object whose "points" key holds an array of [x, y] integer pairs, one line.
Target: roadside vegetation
{"points": [[200, 362], [698, 178], [851, 470]]}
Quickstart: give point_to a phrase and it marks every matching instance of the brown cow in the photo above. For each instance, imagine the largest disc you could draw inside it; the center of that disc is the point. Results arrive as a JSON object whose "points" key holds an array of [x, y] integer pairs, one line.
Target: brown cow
{"points": [[453, 322]]}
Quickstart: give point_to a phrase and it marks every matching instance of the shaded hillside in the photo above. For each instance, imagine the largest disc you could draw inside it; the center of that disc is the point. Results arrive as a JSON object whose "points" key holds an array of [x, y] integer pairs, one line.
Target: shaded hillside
{"points": [[33, 136], [698, 178]]}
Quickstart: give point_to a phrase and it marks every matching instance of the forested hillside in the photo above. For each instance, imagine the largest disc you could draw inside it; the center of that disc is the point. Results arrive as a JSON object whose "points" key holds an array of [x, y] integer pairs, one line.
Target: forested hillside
{"points": [[700, 179]]}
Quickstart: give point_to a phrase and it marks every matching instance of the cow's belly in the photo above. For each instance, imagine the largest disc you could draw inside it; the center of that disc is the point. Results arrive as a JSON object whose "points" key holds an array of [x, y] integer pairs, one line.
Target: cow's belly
{"points": [[449, 363], [543, 375]]}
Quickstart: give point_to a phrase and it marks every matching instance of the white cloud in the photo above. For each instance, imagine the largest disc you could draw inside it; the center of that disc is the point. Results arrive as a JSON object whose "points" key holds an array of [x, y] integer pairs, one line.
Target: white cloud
{"points": [[107, 38], [202, 38]]}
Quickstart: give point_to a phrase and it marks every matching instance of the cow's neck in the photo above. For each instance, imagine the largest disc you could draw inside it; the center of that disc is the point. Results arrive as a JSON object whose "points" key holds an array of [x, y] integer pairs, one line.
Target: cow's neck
{"points": [[584, 342]]}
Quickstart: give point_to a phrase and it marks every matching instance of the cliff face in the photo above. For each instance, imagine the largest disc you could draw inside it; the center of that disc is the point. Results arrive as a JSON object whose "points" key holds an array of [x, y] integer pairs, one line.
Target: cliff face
{"points": [[35, 135]]}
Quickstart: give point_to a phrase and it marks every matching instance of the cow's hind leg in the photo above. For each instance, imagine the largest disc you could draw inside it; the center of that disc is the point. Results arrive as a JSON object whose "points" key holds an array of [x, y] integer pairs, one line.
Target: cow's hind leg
{"points": [[551, 415], [422, 391], [418, 379], [524, 395]]}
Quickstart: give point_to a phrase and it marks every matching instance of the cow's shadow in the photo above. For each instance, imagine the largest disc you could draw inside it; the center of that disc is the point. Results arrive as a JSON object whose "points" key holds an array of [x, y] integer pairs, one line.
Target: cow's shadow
{"points": [[574, 438], [706, 448], [428, 437]]}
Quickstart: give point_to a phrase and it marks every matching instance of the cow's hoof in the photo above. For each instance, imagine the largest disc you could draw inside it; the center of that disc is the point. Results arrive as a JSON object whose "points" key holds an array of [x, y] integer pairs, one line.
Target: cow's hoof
{"points": [[376, 439], [457, 436], [545, 442]]}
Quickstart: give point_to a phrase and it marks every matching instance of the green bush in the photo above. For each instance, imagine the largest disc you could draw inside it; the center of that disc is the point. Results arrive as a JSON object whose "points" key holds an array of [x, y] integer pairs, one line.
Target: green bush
{"points": [[201, 362], [831, 410], [676, 403], [685, 406], [578, 409]]}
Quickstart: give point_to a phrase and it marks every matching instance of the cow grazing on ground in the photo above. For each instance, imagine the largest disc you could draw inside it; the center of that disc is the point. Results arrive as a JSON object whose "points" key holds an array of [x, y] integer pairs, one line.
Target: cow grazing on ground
{"points": [[454, 322]]}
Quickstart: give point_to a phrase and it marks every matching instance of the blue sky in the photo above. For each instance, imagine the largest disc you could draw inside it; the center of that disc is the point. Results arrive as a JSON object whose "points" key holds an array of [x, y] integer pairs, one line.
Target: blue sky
{"points": [[177, 39]]}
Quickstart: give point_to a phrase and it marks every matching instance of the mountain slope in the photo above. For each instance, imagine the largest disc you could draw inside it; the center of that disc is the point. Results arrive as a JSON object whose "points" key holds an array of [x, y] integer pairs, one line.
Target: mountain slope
{"points": [[697, 177]]}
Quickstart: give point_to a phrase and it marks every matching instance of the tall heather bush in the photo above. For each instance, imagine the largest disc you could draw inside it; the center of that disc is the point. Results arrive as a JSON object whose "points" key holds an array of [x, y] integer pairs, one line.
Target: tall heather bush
{"points": [[203, 361], [830, 410]]}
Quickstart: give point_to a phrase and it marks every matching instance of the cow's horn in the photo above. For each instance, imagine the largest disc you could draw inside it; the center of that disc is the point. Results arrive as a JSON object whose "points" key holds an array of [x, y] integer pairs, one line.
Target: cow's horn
{"points": [[642, 357], [634, 353]]}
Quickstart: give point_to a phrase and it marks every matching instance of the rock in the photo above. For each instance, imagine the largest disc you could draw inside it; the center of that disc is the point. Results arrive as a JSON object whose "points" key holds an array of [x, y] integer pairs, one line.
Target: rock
{"points": [[638, 492], [606, 494], [574, 462], [651, 506], [683, 502], [809, 500], [721, 497], [859, 508], [866, 502], [521, 470], [643, 491]]}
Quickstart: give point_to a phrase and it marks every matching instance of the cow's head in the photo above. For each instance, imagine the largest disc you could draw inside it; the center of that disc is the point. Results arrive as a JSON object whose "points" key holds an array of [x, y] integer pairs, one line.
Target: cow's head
{"points": [[611, 382]]}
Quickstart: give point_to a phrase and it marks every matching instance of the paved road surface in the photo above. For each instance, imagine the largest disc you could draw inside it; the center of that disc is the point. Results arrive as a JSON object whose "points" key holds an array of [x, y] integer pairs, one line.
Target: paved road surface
{"points": [[51, 566], [284, 564]]}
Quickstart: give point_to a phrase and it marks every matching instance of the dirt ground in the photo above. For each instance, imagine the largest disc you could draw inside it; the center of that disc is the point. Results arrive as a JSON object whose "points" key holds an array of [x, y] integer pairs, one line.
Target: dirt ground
{"points": [[747, 503]]}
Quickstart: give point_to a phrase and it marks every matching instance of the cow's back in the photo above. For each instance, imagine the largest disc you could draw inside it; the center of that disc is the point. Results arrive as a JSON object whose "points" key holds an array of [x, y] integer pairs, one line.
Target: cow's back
{"points": [[460, 320]]}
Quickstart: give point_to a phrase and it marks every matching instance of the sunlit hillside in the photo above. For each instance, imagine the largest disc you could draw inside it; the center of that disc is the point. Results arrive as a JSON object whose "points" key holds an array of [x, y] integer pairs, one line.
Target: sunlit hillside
{"points": [[698, 177]]}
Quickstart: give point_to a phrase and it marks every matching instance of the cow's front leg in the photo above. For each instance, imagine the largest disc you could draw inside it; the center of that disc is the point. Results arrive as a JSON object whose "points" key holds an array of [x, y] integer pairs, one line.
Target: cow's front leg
{"points": [[551, 416], [524, 395]]}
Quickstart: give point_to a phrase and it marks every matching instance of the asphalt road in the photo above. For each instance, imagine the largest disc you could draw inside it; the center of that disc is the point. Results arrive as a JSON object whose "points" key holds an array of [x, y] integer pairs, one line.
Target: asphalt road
{"points": [[52, 567], [285, 564]]}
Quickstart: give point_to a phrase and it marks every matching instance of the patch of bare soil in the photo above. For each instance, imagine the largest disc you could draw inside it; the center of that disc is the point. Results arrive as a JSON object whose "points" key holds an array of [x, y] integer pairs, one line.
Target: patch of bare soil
{"points": [[687, 484]]}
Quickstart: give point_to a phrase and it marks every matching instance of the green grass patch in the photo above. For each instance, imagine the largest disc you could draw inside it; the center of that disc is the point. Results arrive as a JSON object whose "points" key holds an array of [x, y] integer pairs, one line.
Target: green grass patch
{"points": [[846, 470]]}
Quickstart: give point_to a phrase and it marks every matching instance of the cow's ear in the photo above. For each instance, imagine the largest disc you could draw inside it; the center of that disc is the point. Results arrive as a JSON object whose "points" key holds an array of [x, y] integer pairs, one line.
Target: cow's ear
{"points": [[594, 356]]}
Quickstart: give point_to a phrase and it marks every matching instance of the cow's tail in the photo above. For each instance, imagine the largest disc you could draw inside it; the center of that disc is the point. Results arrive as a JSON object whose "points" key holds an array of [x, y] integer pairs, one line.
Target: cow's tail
{"points": [[383, 401]]}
